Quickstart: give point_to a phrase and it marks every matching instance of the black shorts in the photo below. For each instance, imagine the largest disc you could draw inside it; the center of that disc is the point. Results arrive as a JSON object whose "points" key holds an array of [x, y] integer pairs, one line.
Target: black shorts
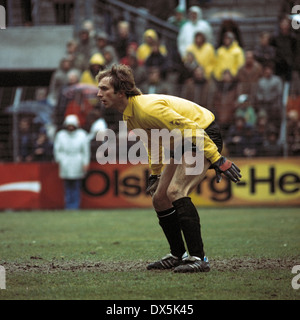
{"points": [[214, 132]]}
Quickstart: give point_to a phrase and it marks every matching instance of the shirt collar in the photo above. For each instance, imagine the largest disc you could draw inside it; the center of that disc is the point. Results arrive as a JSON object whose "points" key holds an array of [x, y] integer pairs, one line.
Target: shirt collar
{"points": [[128, 112]]}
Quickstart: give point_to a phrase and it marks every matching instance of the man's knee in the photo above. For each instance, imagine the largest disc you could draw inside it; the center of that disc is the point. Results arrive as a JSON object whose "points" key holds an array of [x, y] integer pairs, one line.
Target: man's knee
{"points": [[174, 193], [161, 202]]}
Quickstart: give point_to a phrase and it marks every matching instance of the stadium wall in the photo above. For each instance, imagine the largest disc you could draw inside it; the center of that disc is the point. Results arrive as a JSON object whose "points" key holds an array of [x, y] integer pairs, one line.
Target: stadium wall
{"points": [[266, 182]]}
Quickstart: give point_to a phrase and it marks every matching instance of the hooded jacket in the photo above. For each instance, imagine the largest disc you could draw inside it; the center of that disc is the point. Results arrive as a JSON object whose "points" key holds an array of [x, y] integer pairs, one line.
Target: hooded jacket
{"points": [[87, 76], [72, 150], [231, 58], [144, 50], [187, 32]]}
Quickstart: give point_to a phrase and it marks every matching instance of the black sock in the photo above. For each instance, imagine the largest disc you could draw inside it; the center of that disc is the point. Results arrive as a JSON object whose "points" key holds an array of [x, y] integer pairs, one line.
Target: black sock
{"points": [[168, 220], [190, 225]]}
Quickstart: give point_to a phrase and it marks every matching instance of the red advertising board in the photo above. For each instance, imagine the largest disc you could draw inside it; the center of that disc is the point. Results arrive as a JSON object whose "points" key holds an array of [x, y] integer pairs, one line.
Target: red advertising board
{"points": [[37, 186]]}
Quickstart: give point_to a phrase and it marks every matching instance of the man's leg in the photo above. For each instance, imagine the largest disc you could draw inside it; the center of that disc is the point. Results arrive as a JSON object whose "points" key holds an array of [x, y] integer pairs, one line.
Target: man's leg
{"points": [[168, 220], [179, 188]]}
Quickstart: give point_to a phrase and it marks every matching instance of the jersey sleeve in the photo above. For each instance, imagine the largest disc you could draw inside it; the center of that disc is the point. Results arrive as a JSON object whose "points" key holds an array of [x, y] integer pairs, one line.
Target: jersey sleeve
{"points": [[165, 117]]}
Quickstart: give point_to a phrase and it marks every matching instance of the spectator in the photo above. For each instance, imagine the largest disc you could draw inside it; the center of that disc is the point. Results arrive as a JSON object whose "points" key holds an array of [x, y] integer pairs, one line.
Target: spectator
{"points": [[26, 138], [156, 59], [102, 44], [263, 51], [179, 18], [139, 71], [109, 57], [90, 27], [196, 88], [243, 140], [72, 153], [130, 51], [97, 63], [230, 56], [224, 100], [42, 148], [123, 38], [193, 24], [86, 46], [145, 49], [73, 77], [285, 48], [154, 83], [269, 95], [246, 110], [59, 79], [271, 146], [77, 59], [177, 73], [262, 124], [248, 76], [229, 25], [235, 139], [253, 142], [265, 130], [203, 52], [190, 64], [60, 108]]}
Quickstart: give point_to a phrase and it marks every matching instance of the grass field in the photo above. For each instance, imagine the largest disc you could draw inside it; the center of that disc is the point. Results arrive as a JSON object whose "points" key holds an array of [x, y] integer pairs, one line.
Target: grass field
{"points": [[103, 255]]}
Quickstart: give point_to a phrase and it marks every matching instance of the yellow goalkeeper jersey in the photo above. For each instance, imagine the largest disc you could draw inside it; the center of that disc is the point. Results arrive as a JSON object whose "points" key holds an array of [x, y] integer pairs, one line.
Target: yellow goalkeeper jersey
{"points": [[156, 111]]}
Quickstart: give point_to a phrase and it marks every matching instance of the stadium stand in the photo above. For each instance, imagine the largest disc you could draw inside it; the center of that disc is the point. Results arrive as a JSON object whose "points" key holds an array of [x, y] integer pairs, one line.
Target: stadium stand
{"points": [[35, 41]]}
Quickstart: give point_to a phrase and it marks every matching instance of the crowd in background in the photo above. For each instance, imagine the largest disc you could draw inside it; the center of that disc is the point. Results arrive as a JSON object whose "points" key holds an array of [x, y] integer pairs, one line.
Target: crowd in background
{"points": [[243, 87]]}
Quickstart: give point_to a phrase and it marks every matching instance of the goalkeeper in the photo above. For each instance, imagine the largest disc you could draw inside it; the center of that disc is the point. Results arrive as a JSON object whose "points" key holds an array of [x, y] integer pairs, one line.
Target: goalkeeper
{"points": [[170, 185]]}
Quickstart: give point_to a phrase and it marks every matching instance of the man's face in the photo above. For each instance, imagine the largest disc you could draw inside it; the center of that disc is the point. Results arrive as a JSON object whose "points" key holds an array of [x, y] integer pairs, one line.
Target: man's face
{"points": [[107, 94]]}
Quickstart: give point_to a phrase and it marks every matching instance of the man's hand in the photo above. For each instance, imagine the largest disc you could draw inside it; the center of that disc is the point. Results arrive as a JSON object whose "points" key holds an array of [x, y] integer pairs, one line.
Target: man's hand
{"points": [[153, 181], [228, 168]]}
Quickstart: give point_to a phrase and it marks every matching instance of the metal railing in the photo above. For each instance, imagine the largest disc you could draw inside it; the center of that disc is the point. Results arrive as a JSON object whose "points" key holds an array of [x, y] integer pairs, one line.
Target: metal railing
{"points": [[139, 19]]}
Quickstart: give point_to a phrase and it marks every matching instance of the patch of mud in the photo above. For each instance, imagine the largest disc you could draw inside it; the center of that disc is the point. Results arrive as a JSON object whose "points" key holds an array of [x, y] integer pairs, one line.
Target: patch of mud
{"points": [[234, 264]]}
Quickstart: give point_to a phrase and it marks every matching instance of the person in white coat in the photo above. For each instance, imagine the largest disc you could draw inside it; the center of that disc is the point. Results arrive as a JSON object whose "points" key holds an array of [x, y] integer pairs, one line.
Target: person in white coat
{"points": [[194, 24], [72, 153]]}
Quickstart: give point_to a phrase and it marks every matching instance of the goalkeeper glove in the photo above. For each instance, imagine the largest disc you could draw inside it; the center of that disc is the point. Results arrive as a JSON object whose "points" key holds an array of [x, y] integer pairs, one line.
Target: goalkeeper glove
{"points": [[228, 168], [153, 181]]}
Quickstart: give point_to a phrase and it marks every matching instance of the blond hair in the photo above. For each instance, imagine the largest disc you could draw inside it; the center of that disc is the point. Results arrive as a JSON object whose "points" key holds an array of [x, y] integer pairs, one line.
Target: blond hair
{"points": [[121, 79]]}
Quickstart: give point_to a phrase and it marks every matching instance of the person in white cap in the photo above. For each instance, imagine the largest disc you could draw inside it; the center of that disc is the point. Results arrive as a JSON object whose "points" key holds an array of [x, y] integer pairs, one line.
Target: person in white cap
{"points": [[194, 24], [72, 153]]}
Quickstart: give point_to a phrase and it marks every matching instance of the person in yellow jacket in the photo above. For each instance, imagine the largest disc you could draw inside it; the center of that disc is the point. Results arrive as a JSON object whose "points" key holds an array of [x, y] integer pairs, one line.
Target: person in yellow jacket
{"points": [[144, 50], [230, 56], [97, 63], [203, 52], [169, 185]]}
